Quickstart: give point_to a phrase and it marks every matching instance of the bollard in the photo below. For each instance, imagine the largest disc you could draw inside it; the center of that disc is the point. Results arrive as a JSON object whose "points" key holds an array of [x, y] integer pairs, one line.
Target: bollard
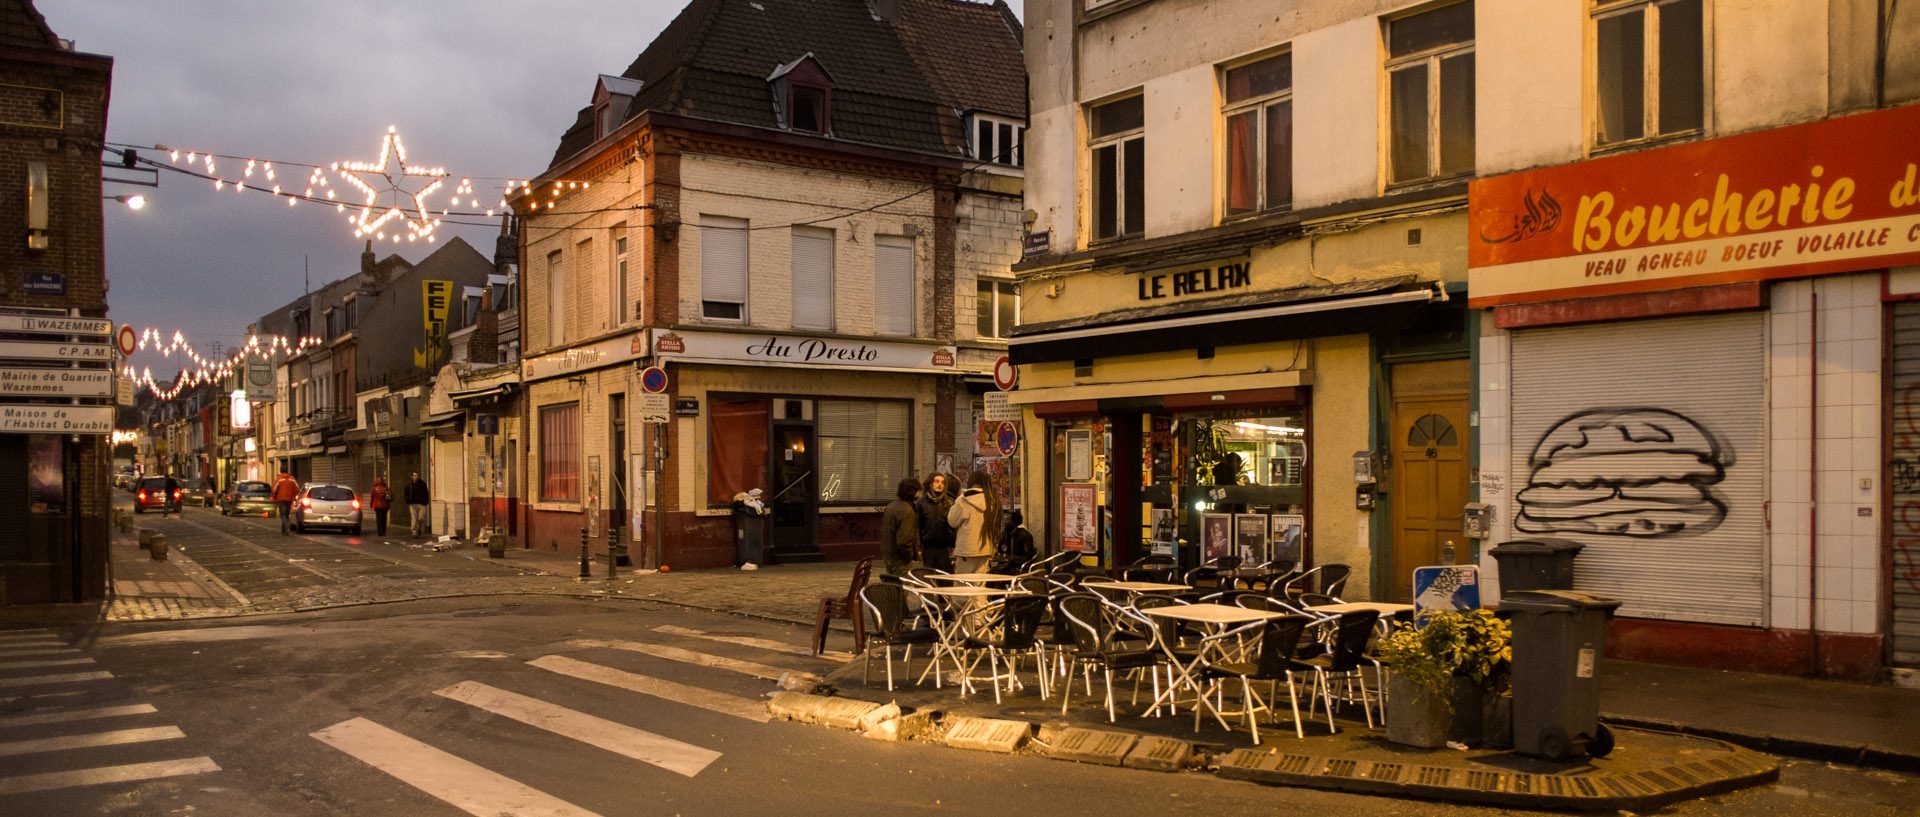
{"points": [[146, 538], [159, 547], [584, 573]]}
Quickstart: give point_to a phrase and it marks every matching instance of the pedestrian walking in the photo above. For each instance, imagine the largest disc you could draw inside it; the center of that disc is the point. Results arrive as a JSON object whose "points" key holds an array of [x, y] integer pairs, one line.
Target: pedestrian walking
{"points": [[900, 529], [936, 536], [382, 498], [417, 501], [172, 498], [976, 524], [285, 491]]}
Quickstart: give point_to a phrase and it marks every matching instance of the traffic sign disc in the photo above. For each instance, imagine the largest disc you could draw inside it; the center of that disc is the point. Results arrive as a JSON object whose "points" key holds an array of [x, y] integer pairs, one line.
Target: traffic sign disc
{"points": [[654, 379], [127, 340], [1004, 374]]}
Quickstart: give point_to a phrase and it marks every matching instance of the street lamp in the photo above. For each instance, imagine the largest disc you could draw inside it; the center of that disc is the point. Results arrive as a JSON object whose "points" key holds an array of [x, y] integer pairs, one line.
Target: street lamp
{"points": [[133, 201]]}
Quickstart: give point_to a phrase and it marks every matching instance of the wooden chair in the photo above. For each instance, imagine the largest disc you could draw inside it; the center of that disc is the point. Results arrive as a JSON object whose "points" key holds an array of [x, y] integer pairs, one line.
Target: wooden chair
{"points": [[844, 607]]}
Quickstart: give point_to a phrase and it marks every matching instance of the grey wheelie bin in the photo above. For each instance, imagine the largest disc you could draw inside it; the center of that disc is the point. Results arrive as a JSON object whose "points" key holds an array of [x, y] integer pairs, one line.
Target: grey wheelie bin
{"points": [[749, 536], [1557, 640], [1535, 564]]}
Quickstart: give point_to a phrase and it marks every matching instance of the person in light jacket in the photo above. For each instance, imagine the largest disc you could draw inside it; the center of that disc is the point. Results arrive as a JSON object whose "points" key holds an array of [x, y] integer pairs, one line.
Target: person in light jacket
{"points": [[975, 518]]}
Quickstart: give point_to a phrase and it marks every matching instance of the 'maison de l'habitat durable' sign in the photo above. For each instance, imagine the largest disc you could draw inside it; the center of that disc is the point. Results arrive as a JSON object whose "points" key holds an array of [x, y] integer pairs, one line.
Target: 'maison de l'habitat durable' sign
{"points": [[40, 419], [1831, 196]]}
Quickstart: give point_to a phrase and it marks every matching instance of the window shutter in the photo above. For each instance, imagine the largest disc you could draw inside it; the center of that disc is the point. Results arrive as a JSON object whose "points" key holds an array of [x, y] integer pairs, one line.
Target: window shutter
{"points": [[812, 278], [863, 450], [723, 260], [893, 303]]}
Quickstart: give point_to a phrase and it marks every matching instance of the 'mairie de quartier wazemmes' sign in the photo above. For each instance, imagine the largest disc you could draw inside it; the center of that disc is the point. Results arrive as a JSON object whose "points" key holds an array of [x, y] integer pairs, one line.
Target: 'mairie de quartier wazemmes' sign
{"points": [[56, 382]]}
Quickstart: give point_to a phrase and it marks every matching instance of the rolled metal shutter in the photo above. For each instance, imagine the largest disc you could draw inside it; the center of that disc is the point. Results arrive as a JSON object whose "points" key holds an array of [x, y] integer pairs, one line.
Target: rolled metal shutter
{"points": [[346, 471], [1905, 481], [322, 466], [449, 486], [1645, 441]]}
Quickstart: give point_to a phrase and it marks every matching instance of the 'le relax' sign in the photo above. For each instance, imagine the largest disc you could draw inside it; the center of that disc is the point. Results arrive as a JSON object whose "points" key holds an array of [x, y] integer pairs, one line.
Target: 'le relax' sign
{"points": [[802, 350]]}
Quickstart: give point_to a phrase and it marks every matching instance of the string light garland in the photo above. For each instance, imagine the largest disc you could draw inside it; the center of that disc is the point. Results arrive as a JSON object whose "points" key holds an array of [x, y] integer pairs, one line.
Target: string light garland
{"points": [[207, 370], [419, 223]]}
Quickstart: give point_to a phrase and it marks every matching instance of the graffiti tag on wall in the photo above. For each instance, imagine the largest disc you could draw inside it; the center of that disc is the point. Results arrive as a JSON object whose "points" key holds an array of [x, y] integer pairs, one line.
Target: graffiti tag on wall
{"points": [[1640, 472], [1905, 479]]}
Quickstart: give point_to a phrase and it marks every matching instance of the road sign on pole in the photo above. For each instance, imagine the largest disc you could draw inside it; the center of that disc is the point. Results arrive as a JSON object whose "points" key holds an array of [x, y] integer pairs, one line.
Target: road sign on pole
{"points": [[127, 340], [1004, 374], [654, 380]]}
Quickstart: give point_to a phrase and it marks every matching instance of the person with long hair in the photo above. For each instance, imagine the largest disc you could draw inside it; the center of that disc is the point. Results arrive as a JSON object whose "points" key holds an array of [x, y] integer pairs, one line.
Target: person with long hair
{"points": [[900, 529], [976, 524], [936, 536]]}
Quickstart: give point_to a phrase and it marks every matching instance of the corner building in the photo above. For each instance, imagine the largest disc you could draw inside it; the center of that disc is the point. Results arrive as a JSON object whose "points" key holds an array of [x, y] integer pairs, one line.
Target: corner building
{"points": [[795, 211]]}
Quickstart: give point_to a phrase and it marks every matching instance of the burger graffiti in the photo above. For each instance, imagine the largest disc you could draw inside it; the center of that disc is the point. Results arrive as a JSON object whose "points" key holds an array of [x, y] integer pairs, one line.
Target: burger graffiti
{"points": [[1642, 472]]}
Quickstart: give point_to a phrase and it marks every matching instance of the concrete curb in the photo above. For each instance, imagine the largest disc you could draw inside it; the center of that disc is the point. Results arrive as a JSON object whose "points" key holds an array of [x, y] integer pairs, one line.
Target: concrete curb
{"points": [[1853, 754]]}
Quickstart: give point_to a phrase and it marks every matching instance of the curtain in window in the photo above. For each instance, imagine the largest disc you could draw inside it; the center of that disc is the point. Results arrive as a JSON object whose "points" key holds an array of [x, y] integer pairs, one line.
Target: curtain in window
{"points": [[863, 450], [893, 303], [812, 278], [1242, 159], [736, 449], [560, 452]]}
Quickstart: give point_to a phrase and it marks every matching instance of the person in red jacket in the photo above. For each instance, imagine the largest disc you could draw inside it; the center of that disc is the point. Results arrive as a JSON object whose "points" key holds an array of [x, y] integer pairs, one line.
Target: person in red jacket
{"points": [[285, 491], [382, 497]]}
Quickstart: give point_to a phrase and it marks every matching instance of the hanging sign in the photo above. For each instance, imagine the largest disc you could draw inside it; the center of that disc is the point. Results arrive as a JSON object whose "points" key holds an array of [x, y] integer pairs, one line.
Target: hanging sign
{"points": [[56, 382], [55, 325]]}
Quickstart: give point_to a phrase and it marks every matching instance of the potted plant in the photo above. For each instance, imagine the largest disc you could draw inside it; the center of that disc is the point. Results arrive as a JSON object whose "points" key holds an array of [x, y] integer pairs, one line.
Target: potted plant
{"points": [[1440, 672]]}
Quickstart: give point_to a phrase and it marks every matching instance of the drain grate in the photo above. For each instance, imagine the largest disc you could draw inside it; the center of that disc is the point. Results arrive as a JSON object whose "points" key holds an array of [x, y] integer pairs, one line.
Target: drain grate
{"points": [[1386, 772], [1484, 781], [1339, 768], [1433, 776]]}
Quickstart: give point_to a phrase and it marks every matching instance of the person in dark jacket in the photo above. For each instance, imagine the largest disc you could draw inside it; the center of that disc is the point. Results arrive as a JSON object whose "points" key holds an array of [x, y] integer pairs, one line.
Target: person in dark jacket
{"points": [[936, 536], [900, 529], [418, 499], [1016, 546], [172, 498]]}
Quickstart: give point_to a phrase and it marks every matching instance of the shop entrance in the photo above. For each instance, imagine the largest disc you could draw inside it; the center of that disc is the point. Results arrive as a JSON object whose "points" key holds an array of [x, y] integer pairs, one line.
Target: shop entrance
{"points": [[1429, 437], [794, 486]]}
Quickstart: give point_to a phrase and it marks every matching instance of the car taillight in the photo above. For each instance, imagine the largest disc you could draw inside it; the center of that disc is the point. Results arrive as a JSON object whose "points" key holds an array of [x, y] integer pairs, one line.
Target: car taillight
{"points": [[143, 495], [176, 493], [306, 502], [356, 503]]}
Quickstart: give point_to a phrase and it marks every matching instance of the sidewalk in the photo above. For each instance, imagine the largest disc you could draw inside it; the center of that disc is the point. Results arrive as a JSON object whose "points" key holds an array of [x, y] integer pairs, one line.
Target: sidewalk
{"points": [[1869, 725]]}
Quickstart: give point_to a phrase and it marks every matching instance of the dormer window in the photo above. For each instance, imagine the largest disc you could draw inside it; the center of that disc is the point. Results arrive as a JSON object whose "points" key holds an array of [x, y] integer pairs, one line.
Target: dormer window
{"points": [[996, 139], [802, 95], [611, 97]]}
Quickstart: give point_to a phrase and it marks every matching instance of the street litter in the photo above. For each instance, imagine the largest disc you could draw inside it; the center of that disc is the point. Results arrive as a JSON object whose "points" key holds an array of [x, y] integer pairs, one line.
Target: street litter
{"points": [[749, 566]]}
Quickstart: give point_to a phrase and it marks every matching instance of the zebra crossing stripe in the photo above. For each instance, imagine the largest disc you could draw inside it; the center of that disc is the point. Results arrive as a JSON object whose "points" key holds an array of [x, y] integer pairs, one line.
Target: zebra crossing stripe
{"points": [[128, 773], [36, 651], [756, 670], [678, 693], [459, 783], [114, 738], [36, 639], [646, 747], [39, 718], [744, 641], [7, 663], [41, 680]]}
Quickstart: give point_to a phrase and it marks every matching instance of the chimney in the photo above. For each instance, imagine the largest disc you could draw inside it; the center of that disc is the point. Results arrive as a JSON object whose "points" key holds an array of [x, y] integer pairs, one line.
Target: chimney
{"points": [[366, 260], [888, 10]]}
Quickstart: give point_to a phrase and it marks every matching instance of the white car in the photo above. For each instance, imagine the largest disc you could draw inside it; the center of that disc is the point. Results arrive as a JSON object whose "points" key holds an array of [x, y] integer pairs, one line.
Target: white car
{"points": [[326, 506]]}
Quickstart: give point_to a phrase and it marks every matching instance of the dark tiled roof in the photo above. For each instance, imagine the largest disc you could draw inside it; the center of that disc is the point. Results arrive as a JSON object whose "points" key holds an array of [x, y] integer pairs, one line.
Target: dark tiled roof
{"points": [[894, 84], [22, 25]]}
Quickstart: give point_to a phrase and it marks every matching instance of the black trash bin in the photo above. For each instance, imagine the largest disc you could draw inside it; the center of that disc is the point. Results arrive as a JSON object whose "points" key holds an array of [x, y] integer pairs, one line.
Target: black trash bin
{"points": [[1535, 564], [1557, 640], [749, 536]]}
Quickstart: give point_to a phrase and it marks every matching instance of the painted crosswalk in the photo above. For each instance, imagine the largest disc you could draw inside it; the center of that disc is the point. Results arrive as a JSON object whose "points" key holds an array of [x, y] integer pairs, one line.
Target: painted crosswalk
{"points": [[477, 787], [52, 727]]}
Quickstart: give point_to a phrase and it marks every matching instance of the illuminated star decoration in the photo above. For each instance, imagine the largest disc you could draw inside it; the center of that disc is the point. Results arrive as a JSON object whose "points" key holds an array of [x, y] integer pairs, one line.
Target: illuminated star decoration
{"points": [[373, 218]]}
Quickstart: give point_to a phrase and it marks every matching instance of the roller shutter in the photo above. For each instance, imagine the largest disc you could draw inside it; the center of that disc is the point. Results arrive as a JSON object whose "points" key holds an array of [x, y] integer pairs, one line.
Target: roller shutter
{"points": [[1644, 440], [1905, 481], [449, 485]]}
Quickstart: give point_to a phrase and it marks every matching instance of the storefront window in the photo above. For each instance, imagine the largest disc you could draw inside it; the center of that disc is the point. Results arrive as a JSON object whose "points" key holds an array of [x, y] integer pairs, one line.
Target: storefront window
{"points": [[864, 451], [736, 449], [46, 475], [1241, 488], [560, 452]]}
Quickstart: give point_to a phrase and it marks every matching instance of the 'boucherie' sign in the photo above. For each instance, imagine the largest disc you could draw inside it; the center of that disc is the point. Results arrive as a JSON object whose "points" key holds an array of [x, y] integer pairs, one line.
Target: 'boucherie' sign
{"points": [[801, 350], [1830, 196]]}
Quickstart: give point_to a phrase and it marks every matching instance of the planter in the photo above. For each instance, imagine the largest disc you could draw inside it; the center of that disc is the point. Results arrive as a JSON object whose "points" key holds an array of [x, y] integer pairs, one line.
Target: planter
{"points": [[1416, 717]]}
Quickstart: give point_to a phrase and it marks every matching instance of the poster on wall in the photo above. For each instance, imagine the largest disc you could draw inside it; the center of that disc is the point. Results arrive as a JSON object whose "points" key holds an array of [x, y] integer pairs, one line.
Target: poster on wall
{"points": [[1164, 532], [1216, 536], [1079, 454], [1250, 538], [1076, 518], [985, 439], [1005, 475], [1285, 532]]}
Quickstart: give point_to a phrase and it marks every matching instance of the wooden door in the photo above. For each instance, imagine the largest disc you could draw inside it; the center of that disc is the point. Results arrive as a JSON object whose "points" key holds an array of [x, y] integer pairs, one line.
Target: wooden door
{"points": [[1429, 439]]}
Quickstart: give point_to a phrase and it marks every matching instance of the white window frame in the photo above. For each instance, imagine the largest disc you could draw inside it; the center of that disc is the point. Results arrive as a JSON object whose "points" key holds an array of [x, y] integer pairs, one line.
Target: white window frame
{"points": [[1124, 143], [1431, 58], [894, 305], [617, 273], [1653, 11], [556, 300], [991, 150], [812, 287], [1001, 288], [722, 282], [1257, 106]]}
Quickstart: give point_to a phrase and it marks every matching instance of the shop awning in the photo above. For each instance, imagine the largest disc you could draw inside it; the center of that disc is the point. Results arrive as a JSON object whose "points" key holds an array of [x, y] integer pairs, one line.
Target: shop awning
{"points": [[1305, 313], [444, 419], [488, 394], [336, 449]]}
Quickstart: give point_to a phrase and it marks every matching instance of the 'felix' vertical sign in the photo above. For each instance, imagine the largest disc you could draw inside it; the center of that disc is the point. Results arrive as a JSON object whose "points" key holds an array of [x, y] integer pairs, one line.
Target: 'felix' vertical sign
{"points": [[436, 298]]}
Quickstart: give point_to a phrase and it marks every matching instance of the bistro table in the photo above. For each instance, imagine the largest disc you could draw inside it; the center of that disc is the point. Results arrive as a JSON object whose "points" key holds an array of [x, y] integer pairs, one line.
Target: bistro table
{"points": [[948, 626], [1217, 618], [1386, 609], [971, 578]]}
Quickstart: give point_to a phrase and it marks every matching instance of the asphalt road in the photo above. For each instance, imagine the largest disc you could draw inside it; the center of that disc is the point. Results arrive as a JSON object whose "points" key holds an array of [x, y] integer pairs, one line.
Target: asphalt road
{"points": [[562, 707]]}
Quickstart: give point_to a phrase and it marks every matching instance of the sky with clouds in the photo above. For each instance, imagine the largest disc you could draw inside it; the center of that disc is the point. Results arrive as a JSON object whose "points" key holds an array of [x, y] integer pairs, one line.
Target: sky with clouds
{"points": [[483, 88]]}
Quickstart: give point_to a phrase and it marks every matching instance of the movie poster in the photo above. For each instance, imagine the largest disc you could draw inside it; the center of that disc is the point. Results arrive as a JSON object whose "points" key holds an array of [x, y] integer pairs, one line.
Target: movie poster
{"points": [[1216, 536], [1164, 532], [1077, 518], [1285, 532], [1250, 538]]}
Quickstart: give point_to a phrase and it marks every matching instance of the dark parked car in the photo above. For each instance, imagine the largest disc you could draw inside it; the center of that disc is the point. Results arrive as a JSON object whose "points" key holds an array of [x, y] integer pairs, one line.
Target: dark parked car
{"points": [[327, 506], [196, 492], [248, 499], [152, 493]]}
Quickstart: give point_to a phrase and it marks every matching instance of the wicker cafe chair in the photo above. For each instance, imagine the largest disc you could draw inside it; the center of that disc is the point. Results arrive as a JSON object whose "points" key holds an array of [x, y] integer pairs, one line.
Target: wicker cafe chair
{"points": [[1333, 579], [1087, 615], [844, 607], [999, 632], [886, 604], [1271, 660], [1350, 636]]}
